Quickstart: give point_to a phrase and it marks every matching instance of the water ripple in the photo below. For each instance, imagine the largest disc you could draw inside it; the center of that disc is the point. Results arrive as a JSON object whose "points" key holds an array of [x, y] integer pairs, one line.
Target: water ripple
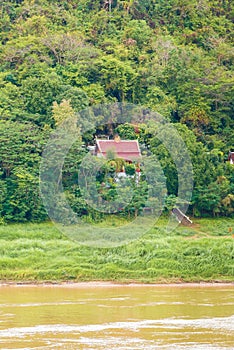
{"points": [[218, 323]]}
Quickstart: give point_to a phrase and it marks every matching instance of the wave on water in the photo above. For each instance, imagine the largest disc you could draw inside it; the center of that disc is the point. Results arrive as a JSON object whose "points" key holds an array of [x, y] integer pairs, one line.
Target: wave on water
{"points": [[218, 323], [120, 344]]}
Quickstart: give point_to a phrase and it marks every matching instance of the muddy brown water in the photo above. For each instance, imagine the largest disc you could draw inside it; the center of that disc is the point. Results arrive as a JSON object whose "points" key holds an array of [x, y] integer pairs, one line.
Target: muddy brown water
{"points": [[117, 317]]}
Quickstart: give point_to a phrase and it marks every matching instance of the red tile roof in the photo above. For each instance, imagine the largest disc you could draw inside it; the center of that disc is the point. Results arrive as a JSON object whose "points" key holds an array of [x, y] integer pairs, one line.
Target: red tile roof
{"points": [[126, 149]]}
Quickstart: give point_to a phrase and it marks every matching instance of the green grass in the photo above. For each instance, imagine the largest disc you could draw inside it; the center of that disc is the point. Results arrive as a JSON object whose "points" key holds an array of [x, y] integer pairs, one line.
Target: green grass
{"points": [[39, 252]]}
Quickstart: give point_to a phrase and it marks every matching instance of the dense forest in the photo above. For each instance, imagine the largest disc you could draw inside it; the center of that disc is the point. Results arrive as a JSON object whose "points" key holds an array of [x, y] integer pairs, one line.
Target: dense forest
{"points": [[172, 56]]}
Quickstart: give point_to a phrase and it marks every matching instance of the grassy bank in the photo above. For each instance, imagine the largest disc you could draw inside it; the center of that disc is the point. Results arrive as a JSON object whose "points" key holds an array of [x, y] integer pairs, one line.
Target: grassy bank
{"points": [[39, 252]]}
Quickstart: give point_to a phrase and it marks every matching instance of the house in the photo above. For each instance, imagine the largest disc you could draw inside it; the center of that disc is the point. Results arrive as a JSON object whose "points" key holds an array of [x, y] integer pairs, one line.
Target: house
{"points": [[231, 157], [128, 150]]}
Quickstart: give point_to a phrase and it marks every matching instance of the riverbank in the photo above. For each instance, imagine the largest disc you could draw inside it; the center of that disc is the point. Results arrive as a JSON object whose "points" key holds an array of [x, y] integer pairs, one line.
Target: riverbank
{"points": [[113, 284], [39, 253]]}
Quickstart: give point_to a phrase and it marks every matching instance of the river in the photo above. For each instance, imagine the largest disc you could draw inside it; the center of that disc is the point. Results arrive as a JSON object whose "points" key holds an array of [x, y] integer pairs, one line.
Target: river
{"points": [[105, 316]]}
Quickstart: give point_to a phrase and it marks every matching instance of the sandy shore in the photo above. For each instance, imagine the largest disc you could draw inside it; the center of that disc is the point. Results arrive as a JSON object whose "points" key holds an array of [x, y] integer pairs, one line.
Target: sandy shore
{"points": [[110, 284]]}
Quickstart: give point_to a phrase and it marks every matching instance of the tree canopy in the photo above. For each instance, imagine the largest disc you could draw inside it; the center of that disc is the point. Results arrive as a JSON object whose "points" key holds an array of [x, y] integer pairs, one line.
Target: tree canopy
{"points": [[59, 57]]}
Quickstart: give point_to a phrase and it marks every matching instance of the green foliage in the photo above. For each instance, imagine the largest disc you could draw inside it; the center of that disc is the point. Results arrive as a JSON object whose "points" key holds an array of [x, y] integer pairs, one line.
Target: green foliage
{"points": [[39, 94], [139, 31], [20, 148], [127, 131], [172, 56]]}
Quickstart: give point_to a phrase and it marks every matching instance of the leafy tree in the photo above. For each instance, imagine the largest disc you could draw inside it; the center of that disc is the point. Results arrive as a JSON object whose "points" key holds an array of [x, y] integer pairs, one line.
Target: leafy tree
{"points": [[39, 94], [139, 31], [127, 131], [60, 57], [117, 77], [21, 147]]}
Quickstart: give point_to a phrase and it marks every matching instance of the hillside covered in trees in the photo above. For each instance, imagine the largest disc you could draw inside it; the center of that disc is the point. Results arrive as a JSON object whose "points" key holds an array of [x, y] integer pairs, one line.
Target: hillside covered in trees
{"points": [[172, 56]]}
